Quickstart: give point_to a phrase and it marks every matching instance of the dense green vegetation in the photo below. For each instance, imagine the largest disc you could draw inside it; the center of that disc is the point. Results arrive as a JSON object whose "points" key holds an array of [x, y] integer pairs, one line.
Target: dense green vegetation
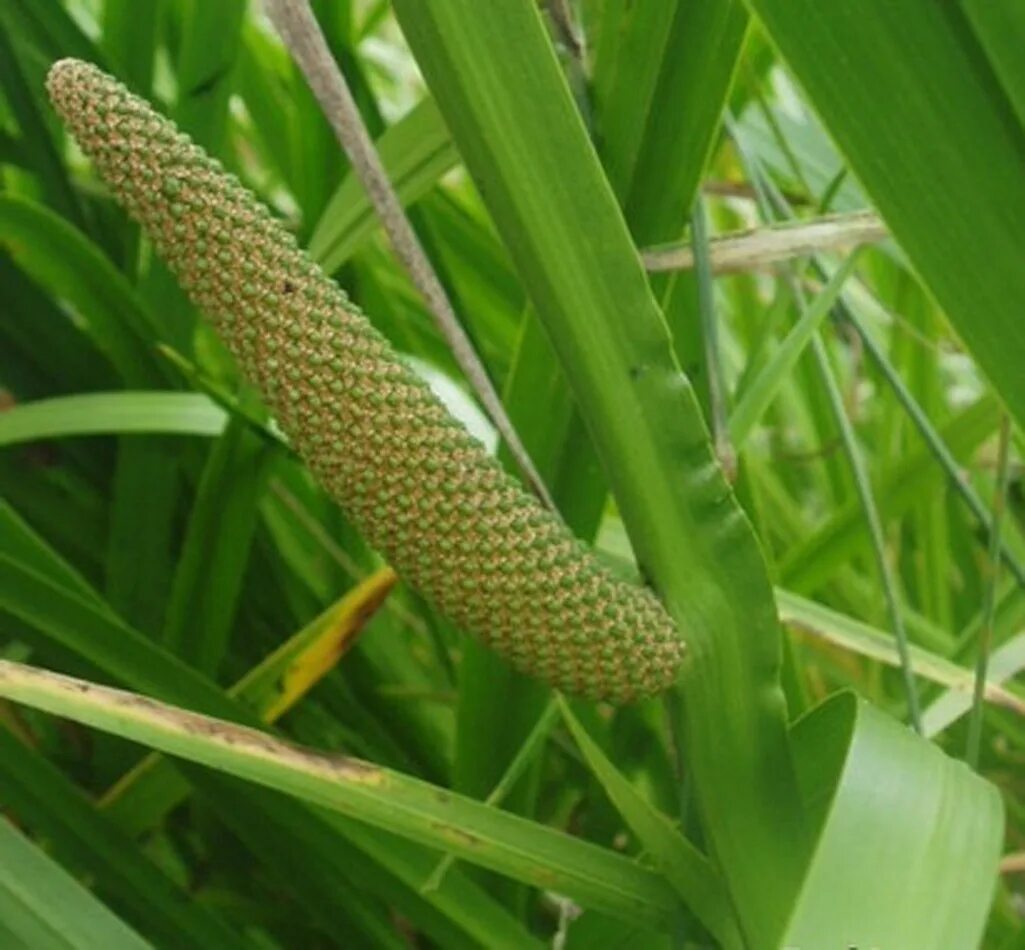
{"points": [[805, 442]]}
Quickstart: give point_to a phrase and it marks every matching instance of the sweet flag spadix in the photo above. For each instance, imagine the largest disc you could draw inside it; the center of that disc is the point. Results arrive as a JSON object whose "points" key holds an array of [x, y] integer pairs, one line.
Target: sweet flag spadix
{"points": [[422, 490]]}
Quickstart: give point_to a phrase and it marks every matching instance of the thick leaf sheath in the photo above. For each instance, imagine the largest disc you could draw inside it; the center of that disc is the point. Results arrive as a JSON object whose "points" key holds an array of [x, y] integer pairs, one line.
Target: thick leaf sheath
{"points": [[421, 489]]}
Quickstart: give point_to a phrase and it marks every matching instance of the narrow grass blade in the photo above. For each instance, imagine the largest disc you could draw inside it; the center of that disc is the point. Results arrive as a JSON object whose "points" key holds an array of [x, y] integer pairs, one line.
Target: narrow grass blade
{"points": [[759, 393], [625, 82], [209, 44], [846, 632], [215, 554], [42, 906], [698, 884], [60, 258], [661, 75], [870, 510], [37, 792], [416, 152], [117, 413], [144, 499], [1006, 663], [53, 30], [480, 919], [932, 438], [43, 353], [524, 758], [21, 92], [709, 323], [130, 34], [398, 803], [814, 560]]}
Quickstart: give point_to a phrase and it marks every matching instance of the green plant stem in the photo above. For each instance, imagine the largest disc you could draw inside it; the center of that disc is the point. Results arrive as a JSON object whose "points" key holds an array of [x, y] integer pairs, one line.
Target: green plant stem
{"points": [[875, 527], [989, 604], [710, 338], [961, 486]]}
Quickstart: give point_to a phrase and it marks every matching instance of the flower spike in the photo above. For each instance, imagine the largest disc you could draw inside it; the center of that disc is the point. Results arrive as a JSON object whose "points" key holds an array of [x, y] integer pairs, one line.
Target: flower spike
{"points": [[421, 489]]}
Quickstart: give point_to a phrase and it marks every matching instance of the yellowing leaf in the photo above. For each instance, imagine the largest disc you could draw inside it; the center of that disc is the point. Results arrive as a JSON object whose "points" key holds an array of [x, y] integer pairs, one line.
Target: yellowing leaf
{"points": [[329, 638], [143, 795]]}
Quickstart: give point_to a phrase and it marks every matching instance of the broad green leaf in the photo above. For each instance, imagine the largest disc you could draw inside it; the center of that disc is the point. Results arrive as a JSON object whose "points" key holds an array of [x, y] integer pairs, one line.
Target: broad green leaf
{"points": [[657, 112], [44, 908], [867, 880], [1000, 26]]}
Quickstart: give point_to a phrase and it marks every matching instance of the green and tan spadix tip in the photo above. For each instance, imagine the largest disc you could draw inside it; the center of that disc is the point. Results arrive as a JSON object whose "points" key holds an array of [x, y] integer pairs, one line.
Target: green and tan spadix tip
{"points": [[419, 487]]}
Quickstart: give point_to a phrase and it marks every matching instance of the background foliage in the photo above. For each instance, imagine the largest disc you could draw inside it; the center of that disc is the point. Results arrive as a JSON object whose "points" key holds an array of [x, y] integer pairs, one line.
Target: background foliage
{"points": [[156, 532]]}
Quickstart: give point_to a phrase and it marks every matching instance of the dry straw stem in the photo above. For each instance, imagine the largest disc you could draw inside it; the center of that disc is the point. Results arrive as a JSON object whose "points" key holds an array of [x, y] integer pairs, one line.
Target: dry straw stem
{"points": [[418, 485], [299, 29], [763, 247]]}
